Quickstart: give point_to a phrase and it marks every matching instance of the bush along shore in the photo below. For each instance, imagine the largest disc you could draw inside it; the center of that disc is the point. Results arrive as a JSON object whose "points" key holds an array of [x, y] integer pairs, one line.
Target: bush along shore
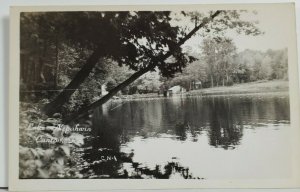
{"points": [[48, 148]]}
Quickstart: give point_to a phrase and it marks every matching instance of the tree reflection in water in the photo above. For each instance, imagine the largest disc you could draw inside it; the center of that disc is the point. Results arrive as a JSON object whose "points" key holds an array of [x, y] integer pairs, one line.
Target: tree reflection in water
{"points": [[223, 132], [107, 167], [106, 161], [222, 119]]}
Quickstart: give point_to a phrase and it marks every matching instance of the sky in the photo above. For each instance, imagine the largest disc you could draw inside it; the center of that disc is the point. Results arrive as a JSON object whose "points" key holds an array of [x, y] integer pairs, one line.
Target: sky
{"points": [[271, 21]]}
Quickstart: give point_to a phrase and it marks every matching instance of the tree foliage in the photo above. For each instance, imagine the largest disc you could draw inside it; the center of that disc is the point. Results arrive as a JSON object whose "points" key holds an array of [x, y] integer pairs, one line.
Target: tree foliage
{"points": [[220, 64], [141, 40]]}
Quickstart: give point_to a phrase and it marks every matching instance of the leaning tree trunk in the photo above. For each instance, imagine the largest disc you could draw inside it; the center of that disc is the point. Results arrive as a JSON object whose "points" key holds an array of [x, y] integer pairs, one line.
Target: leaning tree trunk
{"points": [[136, 75], [65, 95], [79, 78], [111, 93]]}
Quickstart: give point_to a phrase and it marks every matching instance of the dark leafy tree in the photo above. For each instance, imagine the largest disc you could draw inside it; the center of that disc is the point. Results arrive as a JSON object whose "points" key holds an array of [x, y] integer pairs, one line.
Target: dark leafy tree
{"points": [[143, 41]]}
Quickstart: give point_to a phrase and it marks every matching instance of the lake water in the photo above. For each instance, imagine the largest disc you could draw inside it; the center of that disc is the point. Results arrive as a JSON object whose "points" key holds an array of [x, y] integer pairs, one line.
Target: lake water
{"points": [[213, 137]]}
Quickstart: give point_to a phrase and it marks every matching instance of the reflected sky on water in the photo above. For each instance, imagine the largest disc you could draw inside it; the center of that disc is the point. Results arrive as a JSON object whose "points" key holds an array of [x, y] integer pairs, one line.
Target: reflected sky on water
{"points": [[215, 137]]}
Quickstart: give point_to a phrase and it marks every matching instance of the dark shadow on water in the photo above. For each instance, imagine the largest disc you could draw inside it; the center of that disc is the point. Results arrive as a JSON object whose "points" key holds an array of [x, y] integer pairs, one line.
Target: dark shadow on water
{"points": [[108, 164], [223, 119], [223, 130]]}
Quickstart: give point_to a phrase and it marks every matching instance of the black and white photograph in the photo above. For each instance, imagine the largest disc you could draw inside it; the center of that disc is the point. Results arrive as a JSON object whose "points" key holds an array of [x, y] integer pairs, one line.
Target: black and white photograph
{"points": [[200, 94]]}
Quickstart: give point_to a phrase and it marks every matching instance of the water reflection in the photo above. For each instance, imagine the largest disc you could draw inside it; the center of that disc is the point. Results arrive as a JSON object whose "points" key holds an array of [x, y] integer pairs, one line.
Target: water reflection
{"points": [[226, 131], [124, 129]]}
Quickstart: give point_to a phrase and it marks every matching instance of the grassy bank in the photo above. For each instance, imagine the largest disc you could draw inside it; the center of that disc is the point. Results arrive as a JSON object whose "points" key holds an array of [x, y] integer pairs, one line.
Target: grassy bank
{"points": [[253, 87], [243, 88]]}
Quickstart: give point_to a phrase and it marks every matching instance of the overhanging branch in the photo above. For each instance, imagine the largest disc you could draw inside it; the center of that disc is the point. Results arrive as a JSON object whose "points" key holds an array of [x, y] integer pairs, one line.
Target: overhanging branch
{"points": [[139, 73]]}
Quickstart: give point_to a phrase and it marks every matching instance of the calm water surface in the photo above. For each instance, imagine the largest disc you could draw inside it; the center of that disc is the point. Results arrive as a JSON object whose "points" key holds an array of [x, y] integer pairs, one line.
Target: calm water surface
{"points": [[215, 137]]}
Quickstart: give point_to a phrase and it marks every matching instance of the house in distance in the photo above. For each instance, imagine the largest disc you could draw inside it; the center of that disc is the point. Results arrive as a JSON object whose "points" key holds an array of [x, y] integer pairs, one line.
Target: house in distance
{"points": [[176, 90]]}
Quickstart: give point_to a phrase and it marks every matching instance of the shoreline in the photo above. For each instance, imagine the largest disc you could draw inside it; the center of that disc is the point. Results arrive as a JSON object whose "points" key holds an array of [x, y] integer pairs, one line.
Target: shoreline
{"points": [[252, 88]]}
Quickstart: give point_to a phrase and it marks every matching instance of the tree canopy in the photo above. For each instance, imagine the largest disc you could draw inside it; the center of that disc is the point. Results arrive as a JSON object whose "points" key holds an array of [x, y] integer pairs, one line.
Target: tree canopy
{"points": [[141, 40]]}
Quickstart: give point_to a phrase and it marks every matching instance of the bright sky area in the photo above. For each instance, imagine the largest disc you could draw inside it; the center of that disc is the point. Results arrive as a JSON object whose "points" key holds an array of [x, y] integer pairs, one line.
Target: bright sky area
{"points": [[271, 21]]}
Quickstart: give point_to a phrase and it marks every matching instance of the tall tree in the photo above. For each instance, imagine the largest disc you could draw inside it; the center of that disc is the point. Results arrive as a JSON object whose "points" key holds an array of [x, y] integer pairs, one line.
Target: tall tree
{"points": [[219, 53], [174, 60], [131, 38], [141, 40]]}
